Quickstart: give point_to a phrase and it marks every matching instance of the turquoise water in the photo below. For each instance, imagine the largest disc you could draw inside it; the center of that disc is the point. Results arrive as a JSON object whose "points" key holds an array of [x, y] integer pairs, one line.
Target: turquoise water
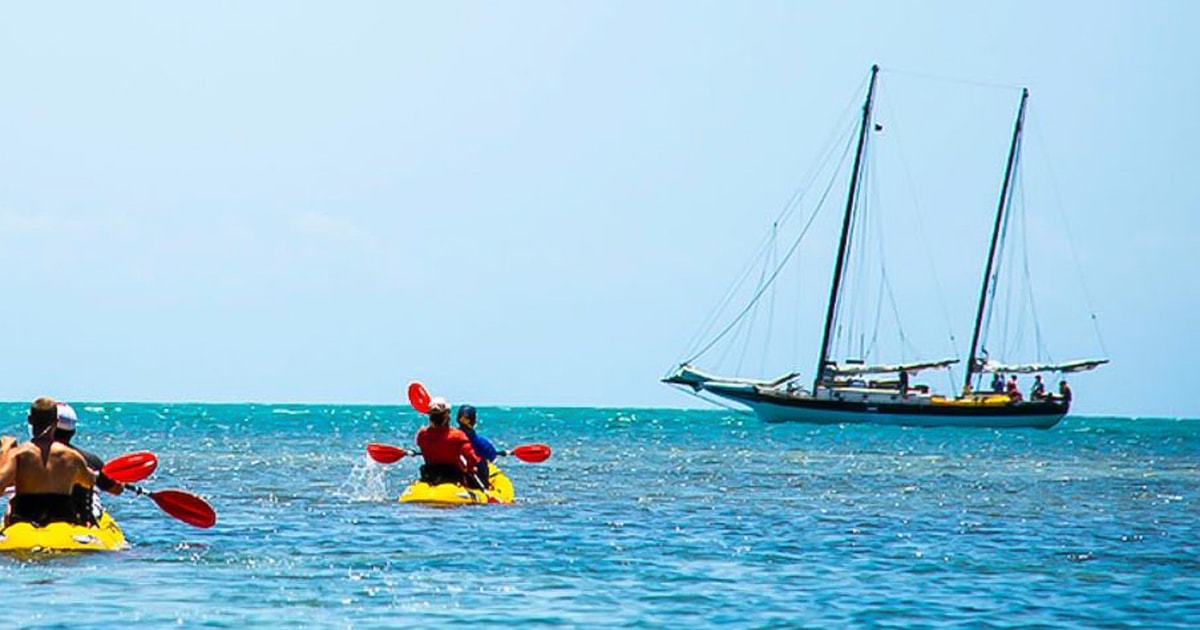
{"points": [[641, 518]]}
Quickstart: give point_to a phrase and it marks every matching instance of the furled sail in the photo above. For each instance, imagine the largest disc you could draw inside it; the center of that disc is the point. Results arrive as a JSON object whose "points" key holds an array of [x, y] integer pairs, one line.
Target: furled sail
{"points": [[851, 369], [1081, 365]]}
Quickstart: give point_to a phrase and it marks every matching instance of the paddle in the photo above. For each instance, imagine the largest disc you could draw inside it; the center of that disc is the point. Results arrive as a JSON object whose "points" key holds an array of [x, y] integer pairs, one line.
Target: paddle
{"points": [[388, 454], [131, 467], [531, 453], [184, 506], [483, 487], [418, 397]]}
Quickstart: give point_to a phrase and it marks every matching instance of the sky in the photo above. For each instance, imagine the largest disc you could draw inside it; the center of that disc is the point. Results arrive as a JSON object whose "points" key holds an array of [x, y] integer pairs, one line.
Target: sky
{"points": [[538, 203]]}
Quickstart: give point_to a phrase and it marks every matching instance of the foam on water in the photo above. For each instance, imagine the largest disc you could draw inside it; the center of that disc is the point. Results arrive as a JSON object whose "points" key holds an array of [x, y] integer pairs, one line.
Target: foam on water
{"points": [[366, 481]]}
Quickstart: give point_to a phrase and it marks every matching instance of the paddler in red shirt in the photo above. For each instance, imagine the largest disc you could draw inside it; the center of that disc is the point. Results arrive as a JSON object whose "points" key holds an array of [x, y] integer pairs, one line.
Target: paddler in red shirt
{"points": [[448, 455]]}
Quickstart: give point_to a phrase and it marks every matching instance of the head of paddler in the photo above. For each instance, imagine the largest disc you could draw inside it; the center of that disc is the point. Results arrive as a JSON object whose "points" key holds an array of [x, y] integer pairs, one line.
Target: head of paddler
{"points": [[43, 416], [466, 418], [65, 429], [439, 412]]}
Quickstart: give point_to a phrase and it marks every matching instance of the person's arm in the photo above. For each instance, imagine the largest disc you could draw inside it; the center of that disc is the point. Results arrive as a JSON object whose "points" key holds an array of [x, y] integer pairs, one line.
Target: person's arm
{"points": [[484, 449], [102, 480], [8, 469], [107, 484], [469, 455], [83, 475]]}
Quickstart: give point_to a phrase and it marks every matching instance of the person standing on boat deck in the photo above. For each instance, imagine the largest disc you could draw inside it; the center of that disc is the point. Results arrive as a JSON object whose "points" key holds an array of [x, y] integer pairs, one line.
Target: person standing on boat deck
{"points": [[1013, 390], [998, 383], [43, 471], [1064, 391], [84, 497], [483, 447], [903, 384], [1038, 392], [448, 455]]}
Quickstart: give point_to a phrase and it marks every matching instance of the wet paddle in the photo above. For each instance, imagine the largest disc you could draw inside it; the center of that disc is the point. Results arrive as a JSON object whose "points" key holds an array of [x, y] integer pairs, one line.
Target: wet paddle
{"points": [[184, 506], [386, 453], [131, 468], [418, 396], [531, 453]]}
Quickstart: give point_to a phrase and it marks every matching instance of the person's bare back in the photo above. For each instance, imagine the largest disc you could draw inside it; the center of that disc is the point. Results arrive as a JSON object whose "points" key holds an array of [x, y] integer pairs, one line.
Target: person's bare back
{"points": [[45, 468]]}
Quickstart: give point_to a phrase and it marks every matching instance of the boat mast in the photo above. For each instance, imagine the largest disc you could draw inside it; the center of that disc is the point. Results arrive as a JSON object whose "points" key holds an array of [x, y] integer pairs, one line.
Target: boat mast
{"points": [[987, 272], [841, 256]]}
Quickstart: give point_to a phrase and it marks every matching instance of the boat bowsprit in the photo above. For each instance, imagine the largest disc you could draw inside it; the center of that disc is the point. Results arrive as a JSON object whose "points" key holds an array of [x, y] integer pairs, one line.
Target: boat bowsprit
{"points": [[106, 535], [500, 490]]}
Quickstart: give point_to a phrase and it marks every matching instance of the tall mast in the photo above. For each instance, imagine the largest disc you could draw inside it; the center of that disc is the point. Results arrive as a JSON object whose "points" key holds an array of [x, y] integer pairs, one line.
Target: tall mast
{"points": [[987, 272], [841, 256]]}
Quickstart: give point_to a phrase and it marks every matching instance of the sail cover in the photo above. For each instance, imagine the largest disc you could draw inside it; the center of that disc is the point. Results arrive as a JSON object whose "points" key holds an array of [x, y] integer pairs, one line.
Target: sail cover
{"points": [[851, 369], [1081, 365]]}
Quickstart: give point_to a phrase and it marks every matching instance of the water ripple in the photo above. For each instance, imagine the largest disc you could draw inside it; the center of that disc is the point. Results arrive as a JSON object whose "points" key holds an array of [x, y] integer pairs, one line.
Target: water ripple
{"points": [[642, 518]]}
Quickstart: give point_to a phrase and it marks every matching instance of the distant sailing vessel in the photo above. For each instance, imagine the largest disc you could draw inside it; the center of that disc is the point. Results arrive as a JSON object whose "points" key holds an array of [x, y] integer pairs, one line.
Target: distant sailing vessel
{"points": [[844, 393]]}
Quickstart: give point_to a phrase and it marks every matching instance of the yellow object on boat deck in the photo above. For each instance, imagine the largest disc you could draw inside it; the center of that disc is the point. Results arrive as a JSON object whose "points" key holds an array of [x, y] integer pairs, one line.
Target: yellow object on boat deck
{"points": [[980, 400]]}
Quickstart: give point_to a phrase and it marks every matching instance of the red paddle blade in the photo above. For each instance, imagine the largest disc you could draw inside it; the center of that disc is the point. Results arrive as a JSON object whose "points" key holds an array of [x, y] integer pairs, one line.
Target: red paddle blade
{"points": [[418, 397], [131, 468], [186, 507], [385, 453], [532, 453]]}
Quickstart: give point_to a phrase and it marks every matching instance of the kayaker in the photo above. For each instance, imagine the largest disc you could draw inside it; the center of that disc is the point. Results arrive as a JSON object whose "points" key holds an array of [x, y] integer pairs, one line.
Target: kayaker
{"points": [[448, 455], [43, 471], [86, 502], [483, 448]]}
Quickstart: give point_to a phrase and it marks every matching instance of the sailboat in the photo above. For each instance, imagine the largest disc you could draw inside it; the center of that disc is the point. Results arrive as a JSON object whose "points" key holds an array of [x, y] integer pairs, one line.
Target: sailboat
{"points": [[852, 391]]}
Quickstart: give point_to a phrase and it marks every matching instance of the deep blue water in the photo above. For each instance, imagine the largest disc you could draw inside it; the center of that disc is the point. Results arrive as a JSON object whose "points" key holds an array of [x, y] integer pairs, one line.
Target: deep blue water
{"points": [[641, 518]]}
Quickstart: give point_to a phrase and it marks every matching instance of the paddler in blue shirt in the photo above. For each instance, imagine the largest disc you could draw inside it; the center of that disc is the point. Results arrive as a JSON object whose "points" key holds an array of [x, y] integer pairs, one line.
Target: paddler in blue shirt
{"points": [[483, 448]]}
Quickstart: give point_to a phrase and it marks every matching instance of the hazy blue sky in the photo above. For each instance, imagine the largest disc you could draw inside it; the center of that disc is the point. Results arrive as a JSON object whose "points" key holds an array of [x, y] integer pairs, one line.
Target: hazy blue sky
{"points": [[539, 203]]}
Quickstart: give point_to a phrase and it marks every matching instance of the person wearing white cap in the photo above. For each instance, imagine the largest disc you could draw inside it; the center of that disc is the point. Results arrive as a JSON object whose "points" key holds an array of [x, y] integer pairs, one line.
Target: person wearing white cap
{"points": [[448, 455], [42, 471], [86, 503]]}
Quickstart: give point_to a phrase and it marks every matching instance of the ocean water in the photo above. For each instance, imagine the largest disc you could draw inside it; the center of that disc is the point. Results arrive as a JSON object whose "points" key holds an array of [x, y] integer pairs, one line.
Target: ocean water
{"points": [[641, 518]]}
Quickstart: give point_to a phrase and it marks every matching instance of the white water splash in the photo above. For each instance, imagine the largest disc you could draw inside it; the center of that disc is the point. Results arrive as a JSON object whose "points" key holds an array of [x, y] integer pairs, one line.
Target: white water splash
{"points": [[366, 482]]}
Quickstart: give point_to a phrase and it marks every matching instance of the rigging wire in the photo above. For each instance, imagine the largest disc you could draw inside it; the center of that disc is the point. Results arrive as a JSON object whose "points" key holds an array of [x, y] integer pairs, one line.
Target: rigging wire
{"points": [[845, 330], [1087, 294], [1039, 342], [762, 366], [876, 219], [786, 213], [1001, 259], [713, 401], [754, 317], [921, 231], [791, 250]]}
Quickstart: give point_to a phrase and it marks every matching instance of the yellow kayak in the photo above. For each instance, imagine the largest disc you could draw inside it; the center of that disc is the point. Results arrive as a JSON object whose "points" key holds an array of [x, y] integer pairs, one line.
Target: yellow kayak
{"points": [[105, 536], [500, 490]]}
